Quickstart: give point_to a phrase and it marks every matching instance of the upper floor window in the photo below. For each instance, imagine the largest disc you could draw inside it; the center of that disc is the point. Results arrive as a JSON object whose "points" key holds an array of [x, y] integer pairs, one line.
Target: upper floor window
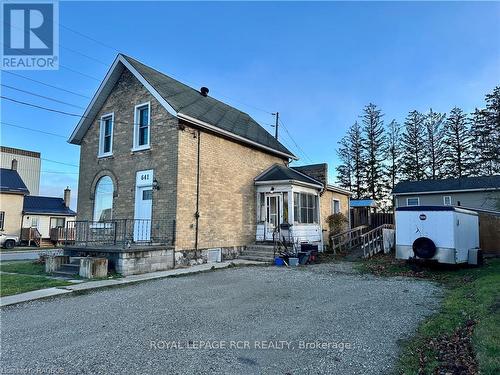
{"points": [[447, 200], [103, 199], [106, 135], [141, 126], [413, 201]]}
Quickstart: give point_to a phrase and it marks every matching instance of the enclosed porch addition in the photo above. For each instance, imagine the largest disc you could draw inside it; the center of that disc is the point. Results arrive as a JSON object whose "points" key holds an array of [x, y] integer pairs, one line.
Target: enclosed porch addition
{"points": [[288, 207]]}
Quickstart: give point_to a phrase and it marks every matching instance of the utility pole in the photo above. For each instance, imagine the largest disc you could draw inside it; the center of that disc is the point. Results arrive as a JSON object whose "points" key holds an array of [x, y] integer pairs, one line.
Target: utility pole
{"points": [[277, 114]]}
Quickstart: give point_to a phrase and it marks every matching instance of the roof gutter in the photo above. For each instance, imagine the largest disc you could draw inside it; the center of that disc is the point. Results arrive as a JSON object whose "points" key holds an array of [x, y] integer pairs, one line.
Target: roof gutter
{"points": [[228, 134], [446, 191], [293, 182]]}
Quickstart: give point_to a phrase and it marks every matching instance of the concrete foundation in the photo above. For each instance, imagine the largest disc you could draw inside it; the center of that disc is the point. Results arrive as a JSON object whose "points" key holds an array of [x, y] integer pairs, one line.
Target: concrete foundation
{"points": [[91, 268], [54, 262], [138, 260]]}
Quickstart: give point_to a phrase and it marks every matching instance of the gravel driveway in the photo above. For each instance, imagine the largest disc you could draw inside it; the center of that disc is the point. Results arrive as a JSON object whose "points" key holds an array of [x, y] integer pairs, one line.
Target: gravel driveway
{"points": [[260, 318]]}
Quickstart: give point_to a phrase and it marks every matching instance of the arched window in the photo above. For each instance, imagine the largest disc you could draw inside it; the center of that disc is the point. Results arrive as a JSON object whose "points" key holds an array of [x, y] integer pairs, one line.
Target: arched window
{"points": [[103, 199]]}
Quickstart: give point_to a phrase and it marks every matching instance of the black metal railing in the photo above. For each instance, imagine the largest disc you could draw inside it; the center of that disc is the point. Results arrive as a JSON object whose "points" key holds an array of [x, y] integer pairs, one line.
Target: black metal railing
{"points": [[121, 232]]}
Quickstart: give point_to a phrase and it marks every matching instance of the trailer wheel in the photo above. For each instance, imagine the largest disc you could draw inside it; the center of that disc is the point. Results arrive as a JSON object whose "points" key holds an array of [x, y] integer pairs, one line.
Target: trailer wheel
{"points": [[9, 244], [424, 248]]}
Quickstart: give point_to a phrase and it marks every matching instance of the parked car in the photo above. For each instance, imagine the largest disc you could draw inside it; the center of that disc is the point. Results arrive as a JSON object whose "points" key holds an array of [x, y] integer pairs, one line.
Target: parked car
{"points": [[8, 241], [444, 234]]}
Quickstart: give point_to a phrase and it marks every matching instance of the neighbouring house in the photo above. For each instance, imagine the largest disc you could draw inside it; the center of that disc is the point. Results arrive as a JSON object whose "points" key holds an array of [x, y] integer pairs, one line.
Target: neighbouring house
{"points": [[168, 175], [47, 216], [12, 192], [36, 220], [480, 193], [27, 163]]}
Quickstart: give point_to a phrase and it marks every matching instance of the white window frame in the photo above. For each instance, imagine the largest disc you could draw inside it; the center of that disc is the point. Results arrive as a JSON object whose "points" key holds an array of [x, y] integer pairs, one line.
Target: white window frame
{"points": [[101, 152], [408, 200], [333, 206], [444, 200], [135, 146]]}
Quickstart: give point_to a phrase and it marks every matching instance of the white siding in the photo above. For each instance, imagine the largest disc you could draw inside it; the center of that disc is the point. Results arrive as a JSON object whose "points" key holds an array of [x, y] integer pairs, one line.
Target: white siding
{"points": [[28, 168]]}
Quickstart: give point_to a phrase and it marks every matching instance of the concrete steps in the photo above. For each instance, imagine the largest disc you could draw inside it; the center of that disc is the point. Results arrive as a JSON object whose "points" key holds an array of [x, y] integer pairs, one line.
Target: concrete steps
{"points": [[70, 269], [259, 252]]}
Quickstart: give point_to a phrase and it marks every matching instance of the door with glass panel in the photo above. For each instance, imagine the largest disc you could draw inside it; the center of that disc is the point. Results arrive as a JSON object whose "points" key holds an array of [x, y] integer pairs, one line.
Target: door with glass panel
{"points": [[273, 215]]}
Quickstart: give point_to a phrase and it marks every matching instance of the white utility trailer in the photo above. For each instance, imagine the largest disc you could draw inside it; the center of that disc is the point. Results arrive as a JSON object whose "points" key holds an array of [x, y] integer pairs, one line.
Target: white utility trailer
{"points": [[445, 234]]}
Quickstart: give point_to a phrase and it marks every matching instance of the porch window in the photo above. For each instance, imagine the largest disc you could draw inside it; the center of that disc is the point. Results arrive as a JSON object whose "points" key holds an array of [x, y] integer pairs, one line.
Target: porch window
{"points": [[141, 126], [262, 208], [103, 200], [305, 208], [106, 135], [285, 208]]}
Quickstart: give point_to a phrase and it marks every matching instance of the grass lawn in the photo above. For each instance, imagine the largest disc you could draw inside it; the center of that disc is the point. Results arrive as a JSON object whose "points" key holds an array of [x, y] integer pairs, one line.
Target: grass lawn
{"points": [[13, 284], [28, 276], [27, 268], [464, 336]]}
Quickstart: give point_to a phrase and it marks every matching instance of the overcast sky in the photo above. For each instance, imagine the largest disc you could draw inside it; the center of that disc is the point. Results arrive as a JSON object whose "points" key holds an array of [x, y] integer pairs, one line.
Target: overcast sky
{"points": [[317, 64]]}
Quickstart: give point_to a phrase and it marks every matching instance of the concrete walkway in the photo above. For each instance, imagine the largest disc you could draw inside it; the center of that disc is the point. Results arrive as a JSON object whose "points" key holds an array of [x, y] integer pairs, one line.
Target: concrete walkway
{"points": [[90, 285]]}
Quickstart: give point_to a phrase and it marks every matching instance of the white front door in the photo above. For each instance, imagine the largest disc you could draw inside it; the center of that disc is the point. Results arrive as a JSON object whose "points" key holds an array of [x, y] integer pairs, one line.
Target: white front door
{"points": [[143, 205], [273, 215]]}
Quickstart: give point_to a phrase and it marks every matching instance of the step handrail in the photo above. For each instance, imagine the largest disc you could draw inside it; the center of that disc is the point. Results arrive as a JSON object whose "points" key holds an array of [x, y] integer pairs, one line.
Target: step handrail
{"points": [[373, 240], [352, 235]]}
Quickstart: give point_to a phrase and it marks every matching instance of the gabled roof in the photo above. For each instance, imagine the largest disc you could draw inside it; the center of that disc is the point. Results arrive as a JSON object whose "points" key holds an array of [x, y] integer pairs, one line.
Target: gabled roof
{"points": [[11, 182], [184, 102], [279, 172], [448, 185], [46, 205]]}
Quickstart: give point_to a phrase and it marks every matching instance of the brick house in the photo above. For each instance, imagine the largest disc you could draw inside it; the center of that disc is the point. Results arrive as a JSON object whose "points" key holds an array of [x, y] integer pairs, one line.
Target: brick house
{"points": [[164, 164]]}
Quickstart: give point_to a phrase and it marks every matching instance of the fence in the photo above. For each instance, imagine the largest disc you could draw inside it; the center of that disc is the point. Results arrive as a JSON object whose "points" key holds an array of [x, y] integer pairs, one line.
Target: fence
{"points": [[120, 233], [363, 216]]}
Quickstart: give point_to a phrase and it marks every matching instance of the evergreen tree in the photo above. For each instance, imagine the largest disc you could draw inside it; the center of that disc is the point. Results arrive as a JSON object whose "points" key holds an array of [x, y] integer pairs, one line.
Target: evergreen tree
{"points": [[484, 149], [434, 144], [374, 150], [393, 153], [358, 163], [345, 169], [457, 141], [493, 119], [414, 151]]}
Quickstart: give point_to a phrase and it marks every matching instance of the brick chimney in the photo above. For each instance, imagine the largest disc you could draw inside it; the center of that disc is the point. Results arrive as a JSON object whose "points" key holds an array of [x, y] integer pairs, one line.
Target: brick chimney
{"points": [[14, 164], [67, 196]]}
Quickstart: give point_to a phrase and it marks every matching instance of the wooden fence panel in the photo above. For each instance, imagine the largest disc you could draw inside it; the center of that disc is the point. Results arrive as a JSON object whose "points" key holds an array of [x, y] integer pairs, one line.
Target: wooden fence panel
{"points": [[489, 233]]}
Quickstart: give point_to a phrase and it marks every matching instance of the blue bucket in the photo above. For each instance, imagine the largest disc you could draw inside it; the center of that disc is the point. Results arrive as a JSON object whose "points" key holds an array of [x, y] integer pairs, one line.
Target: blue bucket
{"points": [[279, 262]]}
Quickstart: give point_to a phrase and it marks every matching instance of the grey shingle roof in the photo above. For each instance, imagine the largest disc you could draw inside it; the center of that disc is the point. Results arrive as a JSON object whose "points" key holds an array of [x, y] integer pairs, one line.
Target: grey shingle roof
{"points": [[279, 172], [188, 101], [46, 205], [11, 182], [450, 184]]}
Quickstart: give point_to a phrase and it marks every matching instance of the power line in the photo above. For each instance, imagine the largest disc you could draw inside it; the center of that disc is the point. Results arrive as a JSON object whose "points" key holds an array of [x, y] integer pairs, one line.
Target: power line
{"points": [[88, 37], [60, 162], [61, 112], [46, 84], [295, 143], [60, 172], [40, 96], [33, 130]]}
